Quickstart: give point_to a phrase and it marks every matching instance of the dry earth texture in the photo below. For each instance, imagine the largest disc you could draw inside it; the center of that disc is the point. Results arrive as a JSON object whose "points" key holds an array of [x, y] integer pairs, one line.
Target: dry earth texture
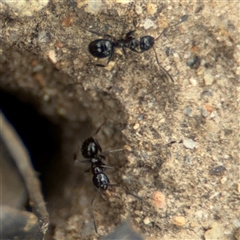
{"points": [[58, 97]]}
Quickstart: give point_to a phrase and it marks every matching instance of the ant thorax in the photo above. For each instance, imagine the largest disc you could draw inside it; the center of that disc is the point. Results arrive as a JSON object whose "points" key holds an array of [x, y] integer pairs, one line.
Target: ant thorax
{"points": [[134, 43], [97, 169], [98, 159]]}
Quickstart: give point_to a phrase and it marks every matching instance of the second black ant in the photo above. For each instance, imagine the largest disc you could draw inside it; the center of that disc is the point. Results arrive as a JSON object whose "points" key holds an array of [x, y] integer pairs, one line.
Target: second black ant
{"points": [[105, 47], [92, 151]]}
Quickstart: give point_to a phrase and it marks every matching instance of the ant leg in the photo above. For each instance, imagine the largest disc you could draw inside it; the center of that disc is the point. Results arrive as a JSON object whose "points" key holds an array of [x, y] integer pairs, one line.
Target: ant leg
{"points": [[81, 161], [99, 34], [129, 34], [87, 170], [100, 149], [134, 50], [91, 31], [111, 151], [164, 70], [109, 59], [116, 185], [124, 52], [100, 193], [76, 160], [107, 166], [98, 129], [94, 221]]}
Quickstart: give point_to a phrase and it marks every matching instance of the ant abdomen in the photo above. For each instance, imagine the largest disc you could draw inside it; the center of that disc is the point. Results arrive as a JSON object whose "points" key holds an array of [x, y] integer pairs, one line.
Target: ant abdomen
{"points": [[101, 48], [101, 181]]}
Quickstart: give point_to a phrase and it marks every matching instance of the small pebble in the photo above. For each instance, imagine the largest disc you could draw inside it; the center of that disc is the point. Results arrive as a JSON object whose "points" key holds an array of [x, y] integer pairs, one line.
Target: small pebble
{"points": [[138, 9], [52, 56], [188, 111], [204, 112], [206, 93], [136, 126], [193, 81], [212, 115], [168, 51], [217, 170], [223, 180], [237, 71], [189, 143], [176, 55], [194, 62], [146, 220], [44, 37], [151, 8], [238, 187], [110, 65], [236, 223], [159, 199], [179, 221], [214, 233], [209, 108], [67, 21], [37, 68], [46, 97], [148, 23], [61, 111], [208, 78], [93, 7]]}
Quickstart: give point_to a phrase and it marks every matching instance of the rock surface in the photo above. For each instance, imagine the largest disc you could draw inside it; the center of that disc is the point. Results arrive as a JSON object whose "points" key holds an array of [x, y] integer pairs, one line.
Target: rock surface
{"points": [[45, 62]]}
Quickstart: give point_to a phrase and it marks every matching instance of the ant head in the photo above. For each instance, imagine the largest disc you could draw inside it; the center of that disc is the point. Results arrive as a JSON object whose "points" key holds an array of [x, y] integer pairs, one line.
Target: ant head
{"points": [[90, 148], [146, 43]]}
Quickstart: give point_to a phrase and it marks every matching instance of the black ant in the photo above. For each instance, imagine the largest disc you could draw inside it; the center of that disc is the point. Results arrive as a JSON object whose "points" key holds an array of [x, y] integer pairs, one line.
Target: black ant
{"points": [[104, 47], [92, 151]]}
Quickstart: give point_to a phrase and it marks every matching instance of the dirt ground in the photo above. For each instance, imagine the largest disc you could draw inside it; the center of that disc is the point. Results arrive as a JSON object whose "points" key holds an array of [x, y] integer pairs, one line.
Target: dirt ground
{"points": [[180, 139]]}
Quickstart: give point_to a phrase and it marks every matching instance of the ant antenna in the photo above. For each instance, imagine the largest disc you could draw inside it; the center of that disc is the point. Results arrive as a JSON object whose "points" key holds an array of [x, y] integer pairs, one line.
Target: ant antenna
{"points": [[127, 192], [98, 129], [164, 70], [162, 33], [182, 19], [94, 221]]}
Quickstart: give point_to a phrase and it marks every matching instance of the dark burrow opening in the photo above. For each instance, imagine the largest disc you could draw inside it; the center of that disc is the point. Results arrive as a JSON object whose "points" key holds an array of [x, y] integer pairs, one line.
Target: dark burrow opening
{"points": [[52, 138], [45, 139], [42, 137], [52, 143]]}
